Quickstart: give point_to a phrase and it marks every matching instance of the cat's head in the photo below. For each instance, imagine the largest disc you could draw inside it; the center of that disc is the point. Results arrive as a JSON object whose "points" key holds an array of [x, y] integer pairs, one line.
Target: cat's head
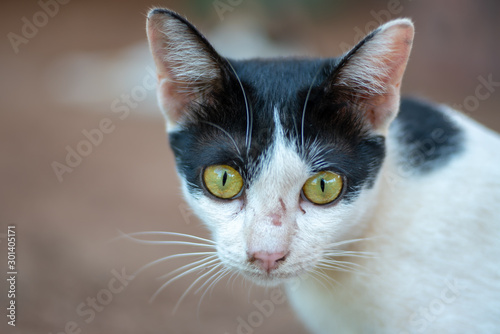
{"points": [[279, 158]]}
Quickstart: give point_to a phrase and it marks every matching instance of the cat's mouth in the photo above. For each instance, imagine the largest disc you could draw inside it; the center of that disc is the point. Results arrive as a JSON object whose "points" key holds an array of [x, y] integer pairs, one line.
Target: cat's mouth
{"points": [[269, 279], [273, 278], [283, 272]]}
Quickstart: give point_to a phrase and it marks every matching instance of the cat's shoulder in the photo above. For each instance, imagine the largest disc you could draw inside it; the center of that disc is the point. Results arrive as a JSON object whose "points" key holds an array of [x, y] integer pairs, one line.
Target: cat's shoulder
{"points": [[427, 136]]}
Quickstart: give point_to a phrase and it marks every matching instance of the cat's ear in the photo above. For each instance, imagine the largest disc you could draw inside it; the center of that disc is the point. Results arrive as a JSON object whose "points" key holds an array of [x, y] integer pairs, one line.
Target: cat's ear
{"points": [[370, 74], [188, 67]]}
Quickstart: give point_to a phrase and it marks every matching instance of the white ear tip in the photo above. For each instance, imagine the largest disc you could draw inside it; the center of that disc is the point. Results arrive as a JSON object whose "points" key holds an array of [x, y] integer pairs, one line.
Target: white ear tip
{"points": [[401, 23], [400, 29]]}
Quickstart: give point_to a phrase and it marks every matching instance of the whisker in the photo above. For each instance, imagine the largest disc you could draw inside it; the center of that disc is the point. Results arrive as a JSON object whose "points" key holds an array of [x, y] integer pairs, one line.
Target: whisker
{"points": [[125, 235], [344, 270], [333, 280], [227, 134], [350, 241], [238, 275], [174, 242], [339, 268], [192, 285], [164, 285], [168, 258], [212, 258], [230, 278], [212, 286], [344, 266], [250, 289], [218, 276], [365, 255], [248, 135], [202, 286], [208, 280], [304, 109], [341, 263], [313, 274]]}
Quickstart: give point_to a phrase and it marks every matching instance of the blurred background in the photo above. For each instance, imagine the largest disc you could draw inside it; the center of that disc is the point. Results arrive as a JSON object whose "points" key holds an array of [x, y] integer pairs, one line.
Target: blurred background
{"points": [[71, 67]]}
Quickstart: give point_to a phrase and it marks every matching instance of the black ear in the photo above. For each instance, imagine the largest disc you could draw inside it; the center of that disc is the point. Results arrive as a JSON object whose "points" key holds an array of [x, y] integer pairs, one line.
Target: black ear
{"points": [[370, 74], [188, 67]]}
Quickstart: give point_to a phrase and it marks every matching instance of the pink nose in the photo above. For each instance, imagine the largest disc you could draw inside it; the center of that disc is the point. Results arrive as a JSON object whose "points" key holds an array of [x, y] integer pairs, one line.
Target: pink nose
{"points": [[268, 261]]}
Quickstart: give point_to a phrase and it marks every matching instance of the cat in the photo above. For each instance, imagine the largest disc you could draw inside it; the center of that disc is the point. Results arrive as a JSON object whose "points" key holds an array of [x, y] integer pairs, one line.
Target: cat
{"points": [[383, 209]]}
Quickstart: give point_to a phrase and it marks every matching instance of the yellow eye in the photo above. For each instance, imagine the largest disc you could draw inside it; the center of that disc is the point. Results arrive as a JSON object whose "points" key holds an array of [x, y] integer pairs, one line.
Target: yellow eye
{"points": [[222, 181], [323, 188]]}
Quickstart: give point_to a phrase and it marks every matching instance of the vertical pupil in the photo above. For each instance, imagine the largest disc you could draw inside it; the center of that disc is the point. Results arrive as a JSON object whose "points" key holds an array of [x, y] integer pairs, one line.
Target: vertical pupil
{"points": [[224, 179], [322, 185]]}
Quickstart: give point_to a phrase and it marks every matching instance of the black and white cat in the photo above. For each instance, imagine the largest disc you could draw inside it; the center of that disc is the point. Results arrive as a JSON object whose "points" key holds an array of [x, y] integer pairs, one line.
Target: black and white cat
{"points": [[316, 170]]}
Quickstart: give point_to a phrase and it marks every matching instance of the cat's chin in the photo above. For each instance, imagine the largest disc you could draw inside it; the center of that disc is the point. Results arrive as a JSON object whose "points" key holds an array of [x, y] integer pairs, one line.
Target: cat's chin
{"points": [[271, 279], [267, 281]]}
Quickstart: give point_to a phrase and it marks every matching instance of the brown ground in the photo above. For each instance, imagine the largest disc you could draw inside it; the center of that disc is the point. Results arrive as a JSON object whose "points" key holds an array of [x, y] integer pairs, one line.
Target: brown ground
{"points": [[128, 182]]}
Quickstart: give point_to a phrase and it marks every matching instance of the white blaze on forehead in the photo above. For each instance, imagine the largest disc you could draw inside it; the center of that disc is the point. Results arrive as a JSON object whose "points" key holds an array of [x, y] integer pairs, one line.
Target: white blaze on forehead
{"points": [[281, 175], [273, 197]]}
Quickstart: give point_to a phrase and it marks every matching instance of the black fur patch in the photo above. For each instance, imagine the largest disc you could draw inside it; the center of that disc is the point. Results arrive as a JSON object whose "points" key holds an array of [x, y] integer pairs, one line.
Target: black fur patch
{"points": [[333, 127], [428, 138]]}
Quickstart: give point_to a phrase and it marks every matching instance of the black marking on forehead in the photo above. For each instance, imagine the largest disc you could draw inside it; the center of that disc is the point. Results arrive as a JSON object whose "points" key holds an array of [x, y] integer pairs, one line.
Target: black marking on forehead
{"points": [[428, 138], [335, 134], [337, 138], [277, 81]]}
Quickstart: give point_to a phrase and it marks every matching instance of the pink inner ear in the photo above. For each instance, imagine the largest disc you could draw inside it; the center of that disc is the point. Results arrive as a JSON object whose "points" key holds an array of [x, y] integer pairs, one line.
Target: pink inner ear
{"points": [[376, 70], [188, 67], [173, 103], [158, 44], [388, 104]]}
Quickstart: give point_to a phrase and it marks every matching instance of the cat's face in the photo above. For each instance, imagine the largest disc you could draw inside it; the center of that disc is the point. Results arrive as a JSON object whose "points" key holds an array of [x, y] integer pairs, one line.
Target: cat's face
{"points": [[279, 158]]}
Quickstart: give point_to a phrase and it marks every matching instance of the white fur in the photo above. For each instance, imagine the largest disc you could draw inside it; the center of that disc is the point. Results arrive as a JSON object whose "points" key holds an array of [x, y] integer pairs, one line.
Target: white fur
{"points": [[434, 237], [436, 240], [189, 62], [242, 230]]}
